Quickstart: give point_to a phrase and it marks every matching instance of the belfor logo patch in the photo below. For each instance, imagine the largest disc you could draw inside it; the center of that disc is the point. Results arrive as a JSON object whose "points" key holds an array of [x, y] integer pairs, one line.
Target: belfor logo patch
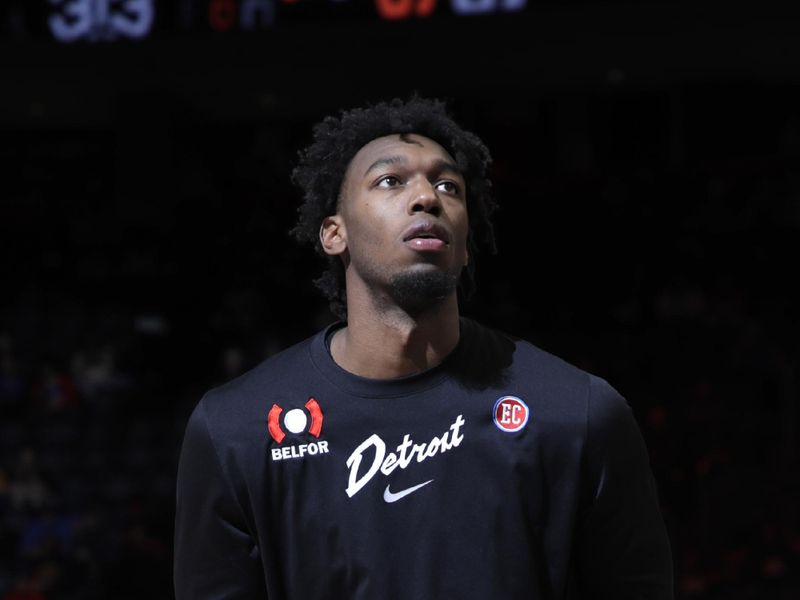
{"points": [[296, 421]]}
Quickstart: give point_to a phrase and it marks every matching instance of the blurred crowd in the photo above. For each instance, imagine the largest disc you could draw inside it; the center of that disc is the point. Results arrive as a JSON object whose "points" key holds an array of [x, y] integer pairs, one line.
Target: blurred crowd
{"points": [[696, 324]]}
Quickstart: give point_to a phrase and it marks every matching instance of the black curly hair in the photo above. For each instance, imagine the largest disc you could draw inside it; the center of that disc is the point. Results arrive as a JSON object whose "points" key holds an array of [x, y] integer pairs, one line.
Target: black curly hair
{"points": [[322, 165]]}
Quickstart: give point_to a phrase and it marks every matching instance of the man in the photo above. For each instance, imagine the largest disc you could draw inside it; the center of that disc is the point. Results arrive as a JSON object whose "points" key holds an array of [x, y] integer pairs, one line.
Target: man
{"points": [[407, 452]]}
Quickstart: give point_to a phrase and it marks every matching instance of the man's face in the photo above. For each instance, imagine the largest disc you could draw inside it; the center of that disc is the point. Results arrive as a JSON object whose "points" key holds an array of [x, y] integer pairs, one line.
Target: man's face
{"points": [[402, 219]]}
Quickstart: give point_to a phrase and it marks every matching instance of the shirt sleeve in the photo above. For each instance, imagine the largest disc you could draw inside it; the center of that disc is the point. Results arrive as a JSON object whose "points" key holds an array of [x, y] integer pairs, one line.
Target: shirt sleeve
{"points": [[215, 555], [623, 552]]}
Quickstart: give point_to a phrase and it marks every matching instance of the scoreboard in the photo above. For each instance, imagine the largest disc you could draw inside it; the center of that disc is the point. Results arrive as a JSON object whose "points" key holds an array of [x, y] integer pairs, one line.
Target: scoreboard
{"points": [[97, 21]]}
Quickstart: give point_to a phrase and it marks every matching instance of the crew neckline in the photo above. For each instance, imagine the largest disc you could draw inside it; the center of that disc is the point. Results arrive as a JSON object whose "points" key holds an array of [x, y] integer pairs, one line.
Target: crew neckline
{"points": [[366, 387]]}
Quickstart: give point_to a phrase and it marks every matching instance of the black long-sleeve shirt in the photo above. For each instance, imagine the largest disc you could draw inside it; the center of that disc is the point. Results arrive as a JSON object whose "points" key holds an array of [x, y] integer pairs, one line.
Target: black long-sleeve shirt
{"points": [[503, 473]]}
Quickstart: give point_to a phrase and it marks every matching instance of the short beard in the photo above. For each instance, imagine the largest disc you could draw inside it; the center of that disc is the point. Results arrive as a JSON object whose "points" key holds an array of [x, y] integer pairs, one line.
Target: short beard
{"points": [[418, 293]]}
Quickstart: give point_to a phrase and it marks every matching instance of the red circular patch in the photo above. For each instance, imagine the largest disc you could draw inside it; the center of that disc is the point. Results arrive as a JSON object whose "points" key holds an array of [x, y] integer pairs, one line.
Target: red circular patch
{"points": [[510, 414]]}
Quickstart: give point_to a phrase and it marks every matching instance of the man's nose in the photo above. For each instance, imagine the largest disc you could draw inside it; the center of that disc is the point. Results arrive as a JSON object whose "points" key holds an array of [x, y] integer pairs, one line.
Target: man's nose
{"points": [[424, 198]]}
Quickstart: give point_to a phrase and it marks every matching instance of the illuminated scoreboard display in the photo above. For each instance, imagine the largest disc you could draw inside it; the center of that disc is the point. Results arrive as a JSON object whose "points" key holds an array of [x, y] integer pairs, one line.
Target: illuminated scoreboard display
{"points": [[70, 21]]}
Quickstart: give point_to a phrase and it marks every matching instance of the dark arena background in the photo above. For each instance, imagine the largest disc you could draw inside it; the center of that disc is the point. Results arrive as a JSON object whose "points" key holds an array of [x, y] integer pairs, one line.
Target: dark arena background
{"points": [[647, 165]]}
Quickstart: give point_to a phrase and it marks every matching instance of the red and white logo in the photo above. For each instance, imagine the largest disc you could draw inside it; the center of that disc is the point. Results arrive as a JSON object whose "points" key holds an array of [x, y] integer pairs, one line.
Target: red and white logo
{"points": [[295, 420], [510, 414]]}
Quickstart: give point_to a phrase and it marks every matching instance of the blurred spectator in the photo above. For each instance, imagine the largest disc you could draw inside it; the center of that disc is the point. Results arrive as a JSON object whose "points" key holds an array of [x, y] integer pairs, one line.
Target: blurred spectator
{"points": [[28, 488], [26, 589], [97, 377], [12, 386], [54, 391]]}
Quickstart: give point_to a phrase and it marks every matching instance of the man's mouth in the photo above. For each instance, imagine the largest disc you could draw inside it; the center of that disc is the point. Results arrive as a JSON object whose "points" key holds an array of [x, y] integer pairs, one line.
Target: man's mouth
{"points": [[427, 231]]}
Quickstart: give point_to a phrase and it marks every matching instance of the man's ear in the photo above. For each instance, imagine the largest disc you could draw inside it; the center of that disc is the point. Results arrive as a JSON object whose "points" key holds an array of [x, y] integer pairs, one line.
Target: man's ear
{"points": [[332, 235]]}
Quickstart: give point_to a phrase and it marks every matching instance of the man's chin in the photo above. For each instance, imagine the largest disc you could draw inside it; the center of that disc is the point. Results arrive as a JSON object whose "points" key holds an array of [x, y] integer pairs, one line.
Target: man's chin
{"points": [[421, 290]]}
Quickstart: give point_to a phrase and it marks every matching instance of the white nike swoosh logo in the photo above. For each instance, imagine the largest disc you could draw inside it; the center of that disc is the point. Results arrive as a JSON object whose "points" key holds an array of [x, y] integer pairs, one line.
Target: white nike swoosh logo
{"points": [[390, 497]]}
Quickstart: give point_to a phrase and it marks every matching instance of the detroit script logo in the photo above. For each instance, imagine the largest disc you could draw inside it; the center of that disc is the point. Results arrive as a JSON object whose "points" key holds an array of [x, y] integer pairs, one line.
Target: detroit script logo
{"points": [[407, 451]]}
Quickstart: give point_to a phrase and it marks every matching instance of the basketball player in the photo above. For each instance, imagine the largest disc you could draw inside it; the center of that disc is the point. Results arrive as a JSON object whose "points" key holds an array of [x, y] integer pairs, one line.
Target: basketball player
{"points": [[407, 452]]}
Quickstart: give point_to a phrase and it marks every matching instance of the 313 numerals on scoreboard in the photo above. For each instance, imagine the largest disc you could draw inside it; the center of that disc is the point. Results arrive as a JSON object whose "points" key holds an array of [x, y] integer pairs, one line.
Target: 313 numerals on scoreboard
{"points": [[72, 20]]}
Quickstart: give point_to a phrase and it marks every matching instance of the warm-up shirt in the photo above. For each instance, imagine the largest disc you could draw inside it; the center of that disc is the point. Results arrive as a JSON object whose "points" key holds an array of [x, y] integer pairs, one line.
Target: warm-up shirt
{"points": [[502, 473]]}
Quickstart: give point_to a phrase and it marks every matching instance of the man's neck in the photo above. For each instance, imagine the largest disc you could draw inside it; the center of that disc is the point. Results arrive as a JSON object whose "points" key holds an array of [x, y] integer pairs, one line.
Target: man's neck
{"points": [[392, 344]]}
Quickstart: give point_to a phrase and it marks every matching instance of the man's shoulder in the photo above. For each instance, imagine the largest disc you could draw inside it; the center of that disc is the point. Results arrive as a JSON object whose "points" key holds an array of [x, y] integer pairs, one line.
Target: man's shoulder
{"points": [[554, 381], [523, 356]]}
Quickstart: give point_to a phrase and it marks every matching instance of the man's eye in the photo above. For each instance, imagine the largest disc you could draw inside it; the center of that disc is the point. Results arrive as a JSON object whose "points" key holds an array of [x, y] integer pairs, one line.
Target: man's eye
{"points": [[388, 181], [448, 187]]}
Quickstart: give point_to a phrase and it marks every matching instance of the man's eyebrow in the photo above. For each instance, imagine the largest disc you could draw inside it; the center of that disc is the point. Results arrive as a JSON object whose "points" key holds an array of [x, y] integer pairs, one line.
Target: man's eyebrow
{"points": [[441, 164], [438, 166], [387, 160]]}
